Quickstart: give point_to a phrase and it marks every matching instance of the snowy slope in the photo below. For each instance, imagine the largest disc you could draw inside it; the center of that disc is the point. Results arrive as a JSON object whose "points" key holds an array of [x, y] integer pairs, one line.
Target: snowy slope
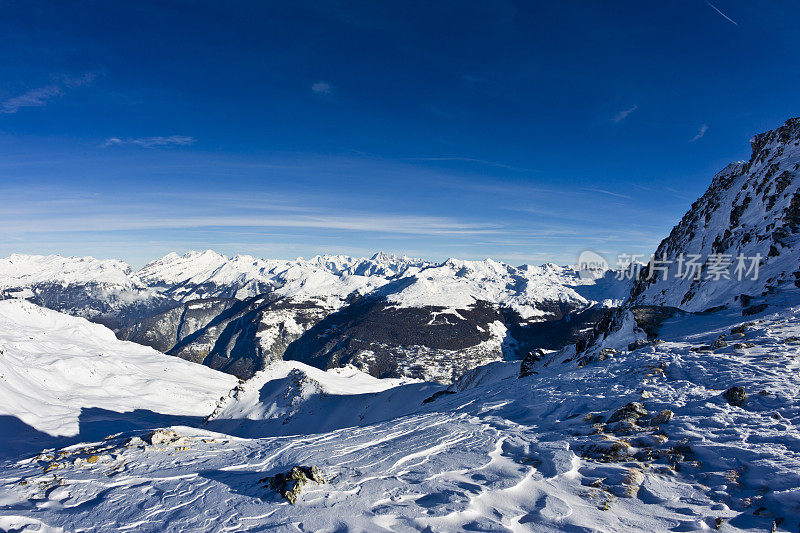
{"points": [[55, 369], [291, 397], [533, 454]]}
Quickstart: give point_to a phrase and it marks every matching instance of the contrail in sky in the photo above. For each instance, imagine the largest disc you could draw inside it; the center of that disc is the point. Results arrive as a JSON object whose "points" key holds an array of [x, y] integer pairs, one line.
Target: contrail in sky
{"points": [[715, 8]]}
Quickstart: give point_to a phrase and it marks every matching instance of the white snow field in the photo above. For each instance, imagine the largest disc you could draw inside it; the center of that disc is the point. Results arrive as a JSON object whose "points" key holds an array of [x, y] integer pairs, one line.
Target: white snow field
{"points": [[62, 377], [499, 453]]}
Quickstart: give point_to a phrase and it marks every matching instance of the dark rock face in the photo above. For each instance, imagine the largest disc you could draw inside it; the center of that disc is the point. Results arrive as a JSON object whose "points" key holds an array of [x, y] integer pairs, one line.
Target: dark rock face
{"points": [[754, 309], [438, 394], [234, 336], [166, 330], [572, 325], [386, 341], [105, 304], [649, 318], [529, 362]]}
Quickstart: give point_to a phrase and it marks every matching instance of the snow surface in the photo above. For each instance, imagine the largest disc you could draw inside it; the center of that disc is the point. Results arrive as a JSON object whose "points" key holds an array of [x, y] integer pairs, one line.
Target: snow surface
{"points": [[499, 454]]}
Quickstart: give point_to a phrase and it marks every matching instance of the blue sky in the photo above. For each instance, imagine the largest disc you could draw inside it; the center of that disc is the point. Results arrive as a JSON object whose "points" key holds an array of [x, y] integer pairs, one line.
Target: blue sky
{"points": [[526, 132]]}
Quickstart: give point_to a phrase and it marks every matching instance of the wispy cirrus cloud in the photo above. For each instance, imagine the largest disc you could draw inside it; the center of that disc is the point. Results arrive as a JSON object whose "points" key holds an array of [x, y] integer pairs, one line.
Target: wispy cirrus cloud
{"points": [[466, 160], [700, 132], [363, 222], [41, 96], [322, 87], [50, 211], [151, 142], [609, 193], [34, 98], [622, 115]]}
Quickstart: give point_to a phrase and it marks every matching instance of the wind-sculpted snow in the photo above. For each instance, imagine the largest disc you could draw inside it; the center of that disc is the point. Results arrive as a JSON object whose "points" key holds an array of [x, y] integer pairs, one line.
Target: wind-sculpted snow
{"points": [[540, 453]]}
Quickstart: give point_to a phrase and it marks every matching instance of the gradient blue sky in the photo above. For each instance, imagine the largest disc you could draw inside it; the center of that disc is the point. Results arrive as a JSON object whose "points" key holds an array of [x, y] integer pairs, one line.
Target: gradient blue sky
{"points": [[526, 132]]}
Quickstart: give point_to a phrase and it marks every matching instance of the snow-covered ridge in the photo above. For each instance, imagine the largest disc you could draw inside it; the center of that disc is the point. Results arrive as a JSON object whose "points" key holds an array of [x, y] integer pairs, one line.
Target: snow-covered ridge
{"points": [[20, 270], [457, 284]]}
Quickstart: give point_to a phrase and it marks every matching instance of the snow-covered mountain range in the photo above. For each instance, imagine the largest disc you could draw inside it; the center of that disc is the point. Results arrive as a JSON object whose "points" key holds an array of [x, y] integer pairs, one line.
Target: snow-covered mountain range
{"points": [[238, 314]]}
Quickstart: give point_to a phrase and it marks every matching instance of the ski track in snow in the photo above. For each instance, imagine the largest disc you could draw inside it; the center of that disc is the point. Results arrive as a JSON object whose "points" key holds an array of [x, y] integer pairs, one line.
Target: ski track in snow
{"points": [[504, 454]]}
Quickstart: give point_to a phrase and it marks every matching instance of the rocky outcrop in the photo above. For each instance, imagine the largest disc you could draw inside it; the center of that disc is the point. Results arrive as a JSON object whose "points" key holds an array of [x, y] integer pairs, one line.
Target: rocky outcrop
{"points": [[290, 484], [752, 211]]}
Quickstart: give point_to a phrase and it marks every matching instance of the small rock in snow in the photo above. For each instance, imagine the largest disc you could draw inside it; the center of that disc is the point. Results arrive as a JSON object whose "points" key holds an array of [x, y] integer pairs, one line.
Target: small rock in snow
{"points": [[735, 396], [662, 418], [630, 412], [291, 483]]}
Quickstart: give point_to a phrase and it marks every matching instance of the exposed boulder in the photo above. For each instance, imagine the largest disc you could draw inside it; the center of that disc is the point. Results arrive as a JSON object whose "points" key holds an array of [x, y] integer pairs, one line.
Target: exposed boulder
{"points": [[637, 344], [735, 396], [662, 418], [630, 412], [719, 343], [290, 484]]}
